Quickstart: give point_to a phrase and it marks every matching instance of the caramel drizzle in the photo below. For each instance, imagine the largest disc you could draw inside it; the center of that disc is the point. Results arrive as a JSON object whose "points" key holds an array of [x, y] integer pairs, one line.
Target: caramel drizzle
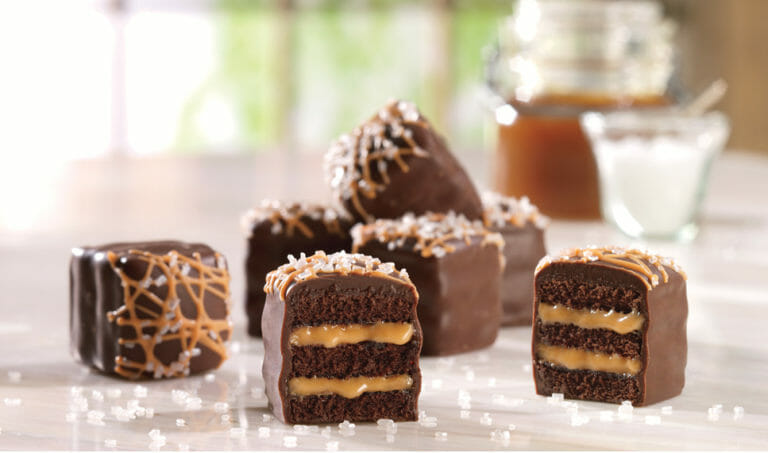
{"points": [[371, 146], [339, 263], [499, 210], [637, 262], [290, 218], [432, 233], [168, 321]]}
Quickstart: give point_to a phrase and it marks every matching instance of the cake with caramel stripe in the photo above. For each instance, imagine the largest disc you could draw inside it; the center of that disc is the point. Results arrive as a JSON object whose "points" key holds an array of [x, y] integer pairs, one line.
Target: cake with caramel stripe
{"points": [[609, 325], [341, 339]]}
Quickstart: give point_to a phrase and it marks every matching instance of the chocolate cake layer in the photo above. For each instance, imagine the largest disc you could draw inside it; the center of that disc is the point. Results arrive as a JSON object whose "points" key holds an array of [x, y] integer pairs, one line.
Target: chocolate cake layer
{"points": [[579, 294], [353, 300], [398, 406], [592, 350], [587, 385], [596, 340], [362, 359]]}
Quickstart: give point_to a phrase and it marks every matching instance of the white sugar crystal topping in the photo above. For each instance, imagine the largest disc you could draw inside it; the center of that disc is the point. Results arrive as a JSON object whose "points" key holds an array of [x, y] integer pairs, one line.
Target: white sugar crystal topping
{"points": [[500, 210]]}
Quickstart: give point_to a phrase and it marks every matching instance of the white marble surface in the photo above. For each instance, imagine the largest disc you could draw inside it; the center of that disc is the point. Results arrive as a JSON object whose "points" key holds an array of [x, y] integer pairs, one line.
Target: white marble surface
{"points": [[49, 402]]}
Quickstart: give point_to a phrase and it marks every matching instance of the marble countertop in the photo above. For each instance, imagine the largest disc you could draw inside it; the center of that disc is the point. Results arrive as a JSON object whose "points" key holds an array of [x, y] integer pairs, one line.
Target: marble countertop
{"points": [[482, 401]]}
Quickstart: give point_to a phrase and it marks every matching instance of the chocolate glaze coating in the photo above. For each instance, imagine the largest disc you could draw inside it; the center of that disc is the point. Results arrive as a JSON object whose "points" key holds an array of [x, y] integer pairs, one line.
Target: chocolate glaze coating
{"points": [[459, 307], [435, 183], [523, 247], [664, 344], [268, 250], [280, 317], [96, 289]]}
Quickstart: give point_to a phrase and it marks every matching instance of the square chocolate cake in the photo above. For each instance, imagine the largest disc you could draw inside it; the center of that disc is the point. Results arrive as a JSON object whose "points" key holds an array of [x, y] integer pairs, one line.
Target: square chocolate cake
{"points": [[341, 340], [522, 227], [456, 266], [149, 310], [276, 230], [610, 325]]}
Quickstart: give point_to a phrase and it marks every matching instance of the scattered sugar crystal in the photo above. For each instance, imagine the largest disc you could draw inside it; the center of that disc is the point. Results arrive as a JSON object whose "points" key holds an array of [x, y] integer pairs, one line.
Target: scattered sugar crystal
{"points": [[183, 447], [155, 434], [210, 377], [235, 347], [492, 382], [464, 415], [221, 407], [326, 432], [140, 391], [114, 393], [652, 420], [180, 422], [527, 368], [437, 384], [666, 410], [390, 438], [110, 443], [332, 445], [428, 422], [738, 412], [346, 428], [511, 427], [441, 436], [501, 436], [386, 424], [264, 432], [571, 408], [290, 441], [556, 398], [446, 362], [237, 432], [625, 411], [193, 403], [225, 419], [14, 376], [12, 402], [156, 445], [579, 420], [713, 414], [486, 419], [75, 390], [70, 417], [498, 398], [149, 412], [469, 375], [606, 416], [97, 396], [257, 393], [95, 417]]}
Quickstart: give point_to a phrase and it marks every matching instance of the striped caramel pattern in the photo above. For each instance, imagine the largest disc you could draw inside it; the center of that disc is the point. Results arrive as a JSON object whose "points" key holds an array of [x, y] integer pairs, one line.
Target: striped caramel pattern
{"points": [[167, 318]]}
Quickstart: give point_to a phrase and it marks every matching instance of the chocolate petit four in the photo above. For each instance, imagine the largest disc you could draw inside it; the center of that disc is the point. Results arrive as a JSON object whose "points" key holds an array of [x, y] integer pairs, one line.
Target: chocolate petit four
{"points": [[522, 227], [610, 326], [396, 163], [341, 340], [275, 230], [149, 309], [456, 265]]}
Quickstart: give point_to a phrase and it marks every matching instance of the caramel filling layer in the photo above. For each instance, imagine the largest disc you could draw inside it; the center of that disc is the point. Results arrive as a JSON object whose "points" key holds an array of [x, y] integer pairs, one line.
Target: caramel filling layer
{"points": [[577, 359], [591, 319], [349, 387], [330, 336]]}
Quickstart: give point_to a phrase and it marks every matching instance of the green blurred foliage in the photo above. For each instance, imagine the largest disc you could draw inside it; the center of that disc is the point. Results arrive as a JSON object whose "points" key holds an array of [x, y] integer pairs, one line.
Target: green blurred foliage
{"points": [[299, 75]]}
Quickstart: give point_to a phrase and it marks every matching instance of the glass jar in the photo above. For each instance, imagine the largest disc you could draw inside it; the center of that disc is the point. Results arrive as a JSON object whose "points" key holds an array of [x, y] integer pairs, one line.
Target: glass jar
{"points": [[557, 59]]}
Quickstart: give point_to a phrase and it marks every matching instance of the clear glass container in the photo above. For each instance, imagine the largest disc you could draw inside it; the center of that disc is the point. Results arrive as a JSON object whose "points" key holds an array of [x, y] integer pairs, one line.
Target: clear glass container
{"points": [[557, 59], [654, 168]]}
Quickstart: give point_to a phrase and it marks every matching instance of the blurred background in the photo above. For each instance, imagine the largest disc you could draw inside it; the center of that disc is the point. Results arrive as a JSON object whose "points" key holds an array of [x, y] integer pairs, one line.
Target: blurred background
{"points": [[107, 79]]}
